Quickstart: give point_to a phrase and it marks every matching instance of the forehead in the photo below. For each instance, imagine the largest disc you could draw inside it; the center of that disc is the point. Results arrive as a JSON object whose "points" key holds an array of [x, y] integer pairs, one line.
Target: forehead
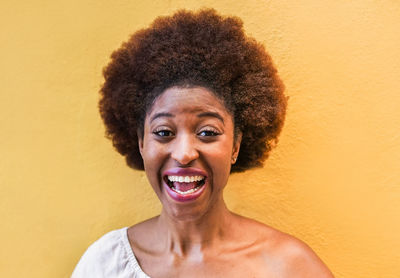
{"points": [[188, 100]]}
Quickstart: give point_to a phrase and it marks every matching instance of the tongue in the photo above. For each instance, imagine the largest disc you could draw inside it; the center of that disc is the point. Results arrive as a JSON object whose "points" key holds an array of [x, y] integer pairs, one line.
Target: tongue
{"points": [[185, 186]]}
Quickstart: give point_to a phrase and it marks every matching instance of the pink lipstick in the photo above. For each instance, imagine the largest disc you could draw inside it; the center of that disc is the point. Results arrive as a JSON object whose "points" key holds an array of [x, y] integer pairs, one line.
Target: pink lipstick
{"points": [[184, 184]]}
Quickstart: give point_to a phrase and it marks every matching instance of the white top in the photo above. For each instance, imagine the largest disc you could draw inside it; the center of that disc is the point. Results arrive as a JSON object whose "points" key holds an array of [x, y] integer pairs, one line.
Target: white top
{"points": [[110, 256]]}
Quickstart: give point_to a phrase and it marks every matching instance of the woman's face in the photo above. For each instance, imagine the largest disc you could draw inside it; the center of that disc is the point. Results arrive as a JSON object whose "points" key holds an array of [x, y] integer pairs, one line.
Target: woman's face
{"points": [[187, 149]]}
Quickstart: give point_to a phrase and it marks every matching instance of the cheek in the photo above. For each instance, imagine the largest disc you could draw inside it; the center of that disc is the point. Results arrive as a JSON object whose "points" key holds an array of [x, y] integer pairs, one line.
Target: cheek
{"points": [[153, 158], [152, 155], [220, 162]]}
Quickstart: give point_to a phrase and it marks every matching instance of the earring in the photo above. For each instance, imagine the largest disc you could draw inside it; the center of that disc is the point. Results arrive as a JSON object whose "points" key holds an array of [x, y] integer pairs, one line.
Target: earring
{"points": [[234, 159]]}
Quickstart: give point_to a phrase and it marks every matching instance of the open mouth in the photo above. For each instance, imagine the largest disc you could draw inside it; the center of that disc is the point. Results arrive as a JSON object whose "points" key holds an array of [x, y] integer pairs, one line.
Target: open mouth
{"points": [[184, 185]]}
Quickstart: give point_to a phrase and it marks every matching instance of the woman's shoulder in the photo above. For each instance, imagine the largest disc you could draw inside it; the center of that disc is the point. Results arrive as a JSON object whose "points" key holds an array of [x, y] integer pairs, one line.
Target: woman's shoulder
{"points": [[291, 256], [300, 260], [109, 256], [109, 241], [143, 236]]}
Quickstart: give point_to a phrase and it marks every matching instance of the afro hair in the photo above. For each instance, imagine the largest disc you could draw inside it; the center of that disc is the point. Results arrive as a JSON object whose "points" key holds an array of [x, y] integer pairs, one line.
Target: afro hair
{"points": [[194, 49]]}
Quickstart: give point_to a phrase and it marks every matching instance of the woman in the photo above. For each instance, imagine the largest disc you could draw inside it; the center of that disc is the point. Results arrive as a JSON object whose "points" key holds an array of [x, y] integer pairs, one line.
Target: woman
{"points": [[190, 100]]}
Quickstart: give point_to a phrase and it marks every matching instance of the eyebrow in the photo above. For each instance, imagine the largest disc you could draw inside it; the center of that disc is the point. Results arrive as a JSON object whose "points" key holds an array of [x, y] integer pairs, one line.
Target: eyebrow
{"points": [[162, 114], [201, 115], [211, 114]]}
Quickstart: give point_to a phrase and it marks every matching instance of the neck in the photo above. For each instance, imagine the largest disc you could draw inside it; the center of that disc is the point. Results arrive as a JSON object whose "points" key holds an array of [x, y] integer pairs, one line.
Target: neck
{"points": [[193, 236]]}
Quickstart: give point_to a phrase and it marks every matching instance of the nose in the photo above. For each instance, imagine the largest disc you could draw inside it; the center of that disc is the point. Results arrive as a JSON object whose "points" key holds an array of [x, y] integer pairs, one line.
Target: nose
{"points": [[184, 149]]}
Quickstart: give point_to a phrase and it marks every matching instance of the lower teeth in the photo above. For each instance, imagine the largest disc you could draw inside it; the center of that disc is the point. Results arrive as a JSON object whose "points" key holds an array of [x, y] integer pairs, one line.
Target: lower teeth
{"points": [[186, 192]]}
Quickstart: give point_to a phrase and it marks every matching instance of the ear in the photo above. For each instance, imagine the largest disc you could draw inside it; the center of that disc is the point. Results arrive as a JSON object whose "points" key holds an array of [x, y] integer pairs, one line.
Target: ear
{"points": [[236, 147], [140, 143]]}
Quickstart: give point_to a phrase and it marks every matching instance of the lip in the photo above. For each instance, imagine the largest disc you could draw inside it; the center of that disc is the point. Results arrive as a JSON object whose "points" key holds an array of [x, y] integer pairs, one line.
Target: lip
{"points": [[184, 172]]}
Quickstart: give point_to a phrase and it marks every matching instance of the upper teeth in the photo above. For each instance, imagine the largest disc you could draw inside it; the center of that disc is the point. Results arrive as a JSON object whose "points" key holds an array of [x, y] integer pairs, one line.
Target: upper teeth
{"points": [[185, 178]]}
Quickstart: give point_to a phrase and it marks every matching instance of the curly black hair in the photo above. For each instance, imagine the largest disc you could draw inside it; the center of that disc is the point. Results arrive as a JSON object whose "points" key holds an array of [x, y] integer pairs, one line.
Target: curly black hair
{"points": [[194, 49]]}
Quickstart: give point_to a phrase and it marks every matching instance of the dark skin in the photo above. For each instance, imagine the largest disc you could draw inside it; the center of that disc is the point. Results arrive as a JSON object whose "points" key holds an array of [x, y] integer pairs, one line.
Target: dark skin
{"points": [[191, 128]]}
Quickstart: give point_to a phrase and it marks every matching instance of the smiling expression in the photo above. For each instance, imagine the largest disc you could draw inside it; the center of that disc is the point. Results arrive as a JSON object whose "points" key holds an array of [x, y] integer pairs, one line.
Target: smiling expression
{"points": [[187, 149]]}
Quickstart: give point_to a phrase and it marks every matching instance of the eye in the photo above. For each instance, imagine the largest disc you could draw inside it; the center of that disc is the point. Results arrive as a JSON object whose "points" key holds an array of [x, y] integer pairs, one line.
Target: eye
{"points": [[163, 133], [209, 132]]}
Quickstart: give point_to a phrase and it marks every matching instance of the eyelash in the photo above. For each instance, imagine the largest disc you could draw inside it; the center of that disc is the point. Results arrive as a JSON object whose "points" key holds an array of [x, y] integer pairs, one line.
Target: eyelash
{"points": [[160, 131], [209, 132]]}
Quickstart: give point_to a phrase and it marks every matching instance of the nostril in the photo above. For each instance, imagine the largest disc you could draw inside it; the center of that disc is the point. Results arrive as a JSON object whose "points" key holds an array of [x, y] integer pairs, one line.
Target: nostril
{"points": [[185, 157], [185, 161]]}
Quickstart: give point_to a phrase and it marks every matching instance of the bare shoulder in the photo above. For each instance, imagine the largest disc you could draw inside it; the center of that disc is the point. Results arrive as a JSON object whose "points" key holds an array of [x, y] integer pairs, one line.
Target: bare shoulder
{"points": [[143, 236], [290, 256], [301, 260], [142, 228]]}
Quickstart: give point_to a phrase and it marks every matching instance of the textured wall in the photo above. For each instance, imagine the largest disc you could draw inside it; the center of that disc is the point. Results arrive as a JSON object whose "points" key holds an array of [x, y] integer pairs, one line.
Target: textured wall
{"points": [[333, 180]]}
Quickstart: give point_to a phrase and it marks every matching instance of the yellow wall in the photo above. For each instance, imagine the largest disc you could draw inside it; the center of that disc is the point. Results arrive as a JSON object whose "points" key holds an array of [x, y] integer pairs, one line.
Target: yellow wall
{"points": [[333, 180]]}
